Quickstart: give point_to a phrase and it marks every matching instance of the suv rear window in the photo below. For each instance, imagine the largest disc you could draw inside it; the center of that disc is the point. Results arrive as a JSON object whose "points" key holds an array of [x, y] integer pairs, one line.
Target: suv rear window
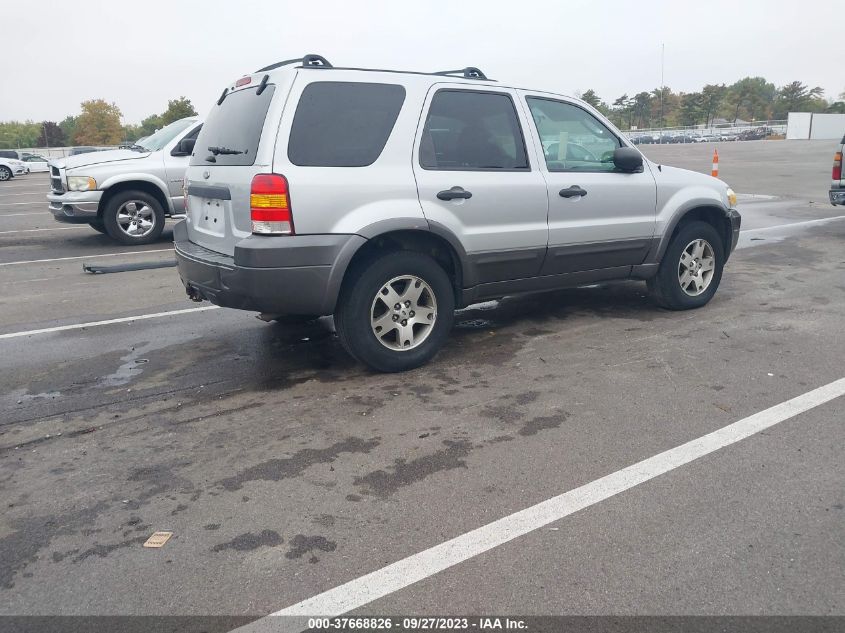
{"points": [[343, 124], [235, 124]]}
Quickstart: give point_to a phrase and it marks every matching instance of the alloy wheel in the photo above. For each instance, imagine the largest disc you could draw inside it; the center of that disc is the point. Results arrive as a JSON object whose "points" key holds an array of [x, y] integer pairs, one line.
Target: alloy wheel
{"points": [[403, 313]]}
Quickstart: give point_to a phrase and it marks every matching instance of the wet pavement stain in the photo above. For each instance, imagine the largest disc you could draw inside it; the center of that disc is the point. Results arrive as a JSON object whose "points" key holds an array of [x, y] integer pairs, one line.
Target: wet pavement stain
{"points": [[278, 469], [31, 535], [543, 423], [382, 483], [301, 545], [104, 550], [249, 541]]}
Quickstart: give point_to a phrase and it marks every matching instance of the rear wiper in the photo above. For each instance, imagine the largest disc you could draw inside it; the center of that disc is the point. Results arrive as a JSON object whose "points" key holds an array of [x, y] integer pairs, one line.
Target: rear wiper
{"points": [[224, 150]]}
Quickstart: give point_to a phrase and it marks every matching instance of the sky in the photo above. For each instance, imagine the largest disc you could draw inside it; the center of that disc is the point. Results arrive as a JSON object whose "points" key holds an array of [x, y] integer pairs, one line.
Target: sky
{"points": [[140, 53]]}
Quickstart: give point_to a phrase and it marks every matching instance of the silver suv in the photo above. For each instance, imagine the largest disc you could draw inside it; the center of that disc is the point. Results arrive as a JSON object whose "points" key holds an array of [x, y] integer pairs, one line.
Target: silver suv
{"points": [[126, 193], [390, 198]]}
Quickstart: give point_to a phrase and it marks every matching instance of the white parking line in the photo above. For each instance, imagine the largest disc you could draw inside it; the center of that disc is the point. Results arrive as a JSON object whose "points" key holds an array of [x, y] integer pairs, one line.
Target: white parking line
{"points": [[11, 215], [791, 224], [364, 590], [61, 228], [80, 326], [64, 259], [20, 204]]}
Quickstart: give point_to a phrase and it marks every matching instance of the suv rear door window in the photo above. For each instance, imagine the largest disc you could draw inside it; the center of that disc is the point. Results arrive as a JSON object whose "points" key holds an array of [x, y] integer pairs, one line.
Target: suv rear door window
{"points": [[470, 130], [343, 124], [235, 124]]}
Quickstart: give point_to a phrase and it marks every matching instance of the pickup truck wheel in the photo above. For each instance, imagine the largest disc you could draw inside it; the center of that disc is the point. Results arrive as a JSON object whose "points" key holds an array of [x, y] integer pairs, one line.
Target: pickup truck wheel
{"points": [[396, 312], [691, 268], [99, 227], [133, 217], [5, 173]]}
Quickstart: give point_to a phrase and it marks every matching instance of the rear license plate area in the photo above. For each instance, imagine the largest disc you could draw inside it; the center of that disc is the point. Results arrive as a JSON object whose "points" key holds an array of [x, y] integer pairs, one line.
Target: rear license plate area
{"points": [[210, 216]]}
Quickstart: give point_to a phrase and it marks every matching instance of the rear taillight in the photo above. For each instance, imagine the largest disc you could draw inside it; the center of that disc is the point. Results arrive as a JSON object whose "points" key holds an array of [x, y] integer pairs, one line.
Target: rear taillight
{"points": [[837, 166], [270, 205]]}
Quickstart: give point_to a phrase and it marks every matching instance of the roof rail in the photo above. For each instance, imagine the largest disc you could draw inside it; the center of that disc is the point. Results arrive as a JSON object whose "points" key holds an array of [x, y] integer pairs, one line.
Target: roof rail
{"points": [[314, 61], [470, 72]]}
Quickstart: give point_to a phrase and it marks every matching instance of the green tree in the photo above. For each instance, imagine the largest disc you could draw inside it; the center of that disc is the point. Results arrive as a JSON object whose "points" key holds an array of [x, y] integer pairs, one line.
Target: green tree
{"points": [[68, 126], [51, 135], [177, 109], [18, 134], [642, 109], [751, 98], [712, 96], [691, 108], [150, 125], [99, 123], [591, 97], [131, 132], [796, 97], [622, 109]]}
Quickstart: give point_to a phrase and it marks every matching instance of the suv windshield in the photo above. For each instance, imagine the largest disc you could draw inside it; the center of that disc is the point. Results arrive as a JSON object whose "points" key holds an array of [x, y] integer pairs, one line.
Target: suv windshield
{"points": [[166, 134]]}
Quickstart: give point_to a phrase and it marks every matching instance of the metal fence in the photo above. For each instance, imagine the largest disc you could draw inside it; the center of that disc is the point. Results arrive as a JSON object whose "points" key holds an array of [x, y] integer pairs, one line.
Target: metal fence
{"points": [[53, 152], [754, 130]]}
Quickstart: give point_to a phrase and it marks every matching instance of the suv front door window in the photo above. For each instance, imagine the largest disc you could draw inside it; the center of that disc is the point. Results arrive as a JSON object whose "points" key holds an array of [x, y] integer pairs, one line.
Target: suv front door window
{"points": [[611, 224], [475, 180]]}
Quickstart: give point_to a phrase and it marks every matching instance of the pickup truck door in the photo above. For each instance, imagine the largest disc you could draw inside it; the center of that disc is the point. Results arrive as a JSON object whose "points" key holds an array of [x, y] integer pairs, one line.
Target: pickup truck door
{"points": [[175, 164], [599, 217]]}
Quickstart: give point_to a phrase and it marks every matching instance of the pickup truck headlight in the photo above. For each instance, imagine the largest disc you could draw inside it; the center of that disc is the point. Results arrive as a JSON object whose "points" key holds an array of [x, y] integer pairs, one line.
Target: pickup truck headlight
{"points": [[731, 197], [81, 183]]}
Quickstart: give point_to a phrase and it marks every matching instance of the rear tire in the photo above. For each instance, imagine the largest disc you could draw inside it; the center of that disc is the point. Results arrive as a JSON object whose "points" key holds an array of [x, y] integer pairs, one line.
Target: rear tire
{"points": [[133, 218], [5, 173], [383, 336], [691, 269]]}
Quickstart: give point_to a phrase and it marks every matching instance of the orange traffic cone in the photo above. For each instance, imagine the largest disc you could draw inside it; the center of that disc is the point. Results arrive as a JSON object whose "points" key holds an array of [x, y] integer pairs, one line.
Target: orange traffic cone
{"points": [[715, 172]]}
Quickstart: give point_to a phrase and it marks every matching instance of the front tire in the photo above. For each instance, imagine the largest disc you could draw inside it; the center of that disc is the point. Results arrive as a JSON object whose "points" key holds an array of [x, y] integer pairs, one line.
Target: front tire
{"points": [[133, 218], [99, 227], [691, 268], [396, 312]]}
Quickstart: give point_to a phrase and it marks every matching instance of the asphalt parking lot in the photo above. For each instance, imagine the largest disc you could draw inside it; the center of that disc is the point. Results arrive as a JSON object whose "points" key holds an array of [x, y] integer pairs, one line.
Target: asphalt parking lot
{"points": [[284, 469]]}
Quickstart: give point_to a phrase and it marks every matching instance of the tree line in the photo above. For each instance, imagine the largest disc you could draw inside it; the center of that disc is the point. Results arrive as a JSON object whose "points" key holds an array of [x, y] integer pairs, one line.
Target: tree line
{"points": [[749, 99], [98, 123]]}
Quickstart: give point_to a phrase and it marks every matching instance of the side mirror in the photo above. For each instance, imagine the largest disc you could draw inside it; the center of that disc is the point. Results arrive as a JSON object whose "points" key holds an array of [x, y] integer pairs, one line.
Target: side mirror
{"points": [[628, 159], [185, 147]]}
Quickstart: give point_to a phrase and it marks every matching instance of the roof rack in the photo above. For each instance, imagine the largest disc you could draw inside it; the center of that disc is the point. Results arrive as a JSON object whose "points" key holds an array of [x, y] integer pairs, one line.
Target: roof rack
{"points": [[470, 72], [314, 61]]}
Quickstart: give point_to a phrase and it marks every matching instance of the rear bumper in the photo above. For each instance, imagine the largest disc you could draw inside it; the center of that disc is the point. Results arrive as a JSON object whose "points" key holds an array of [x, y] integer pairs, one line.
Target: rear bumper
{"points": [[837, 196], [75, 207], [297, 275]]}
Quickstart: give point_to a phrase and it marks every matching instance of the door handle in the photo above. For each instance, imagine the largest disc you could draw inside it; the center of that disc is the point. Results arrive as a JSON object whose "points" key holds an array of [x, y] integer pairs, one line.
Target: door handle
{"points": [[453, 193], [573, 192]]}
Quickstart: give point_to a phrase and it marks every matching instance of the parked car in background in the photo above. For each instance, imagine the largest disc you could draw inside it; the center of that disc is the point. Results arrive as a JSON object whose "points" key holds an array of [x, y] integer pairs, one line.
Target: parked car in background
{"points": [[126, 193], [36, 163], [388, 199], [11, 167], [837, 187]]}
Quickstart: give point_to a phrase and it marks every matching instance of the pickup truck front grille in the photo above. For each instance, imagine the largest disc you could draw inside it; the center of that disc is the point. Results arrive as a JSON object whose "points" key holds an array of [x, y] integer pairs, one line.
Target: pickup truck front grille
{"points": [[56, 180]]}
